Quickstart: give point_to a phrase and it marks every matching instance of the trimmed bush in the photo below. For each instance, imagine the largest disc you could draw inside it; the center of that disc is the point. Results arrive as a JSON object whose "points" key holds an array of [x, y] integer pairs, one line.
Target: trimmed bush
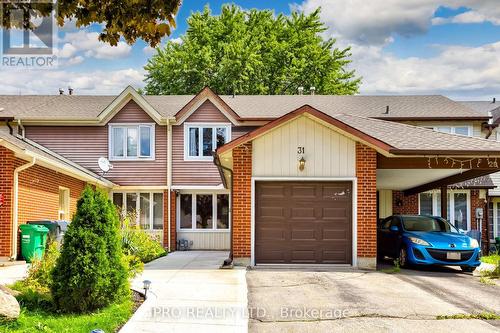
{"points": [[90, 272]]}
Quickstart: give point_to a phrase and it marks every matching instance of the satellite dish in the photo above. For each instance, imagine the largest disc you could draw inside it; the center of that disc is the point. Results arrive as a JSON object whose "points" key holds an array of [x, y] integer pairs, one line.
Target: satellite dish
{"points": [[104, 164]]}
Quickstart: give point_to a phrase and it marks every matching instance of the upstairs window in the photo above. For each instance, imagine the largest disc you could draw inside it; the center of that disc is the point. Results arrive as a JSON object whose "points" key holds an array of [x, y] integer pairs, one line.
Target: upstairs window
{"points": [[201, 140], [131, 142], [461, 130]]}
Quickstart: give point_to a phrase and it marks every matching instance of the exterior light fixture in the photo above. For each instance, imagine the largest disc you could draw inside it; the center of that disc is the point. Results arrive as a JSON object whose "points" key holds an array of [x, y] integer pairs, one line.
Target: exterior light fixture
{"points": [[302, 163], [146, 286]]}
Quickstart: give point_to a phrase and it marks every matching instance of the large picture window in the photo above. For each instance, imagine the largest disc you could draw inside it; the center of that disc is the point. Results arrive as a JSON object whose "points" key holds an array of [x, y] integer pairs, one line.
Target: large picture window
{"points": [[458, 208], [131, 142], [203, 211], [201, 140], [145, 207]]}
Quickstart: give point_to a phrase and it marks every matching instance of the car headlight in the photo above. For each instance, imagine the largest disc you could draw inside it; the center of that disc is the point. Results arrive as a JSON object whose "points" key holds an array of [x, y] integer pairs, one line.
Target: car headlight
{"points": [[474, 243], [418, 241]]}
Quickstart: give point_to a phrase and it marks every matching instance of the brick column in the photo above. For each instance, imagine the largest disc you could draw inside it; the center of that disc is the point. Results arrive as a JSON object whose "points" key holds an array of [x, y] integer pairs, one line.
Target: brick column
{"points": [[476, 202], [242, 200], [172, 211], [402, 204], [6, 184], [366, 173]]}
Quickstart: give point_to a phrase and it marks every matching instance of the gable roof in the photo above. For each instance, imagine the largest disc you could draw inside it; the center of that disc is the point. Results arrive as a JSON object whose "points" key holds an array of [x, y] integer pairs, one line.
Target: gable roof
{"points": [[199, 99], [32, 149], [93, 109], [434, 107], [386, 136]]}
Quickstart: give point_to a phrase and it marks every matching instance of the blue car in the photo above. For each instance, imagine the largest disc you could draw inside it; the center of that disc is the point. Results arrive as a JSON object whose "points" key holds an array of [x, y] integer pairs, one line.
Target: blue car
{"points": [[426, 240]]}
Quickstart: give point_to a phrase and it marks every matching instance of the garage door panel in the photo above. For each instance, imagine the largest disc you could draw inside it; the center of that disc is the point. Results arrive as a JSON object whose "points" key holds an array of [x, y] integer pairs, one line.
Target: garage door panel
{"points": [[302, 212], [272, 191], [304, 192], [303, 222], [335, 213], [337, 235], [305, 256], [303, 234], [334, 257], [271, 213]]}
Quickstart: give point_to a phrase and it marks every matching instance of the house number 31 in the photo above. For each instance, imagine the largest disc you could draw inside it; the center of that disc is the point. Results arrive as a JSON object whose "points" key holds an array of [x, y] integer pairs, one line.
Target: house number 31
{"points": [[301, 150]]}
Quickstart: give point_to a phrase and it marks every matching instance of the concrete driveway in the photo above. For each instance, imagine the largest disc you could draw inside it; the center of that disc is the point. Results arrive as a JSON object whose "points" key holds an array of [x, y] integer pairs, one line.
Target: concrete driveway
{"points": [[352, 301], [189, 293]]}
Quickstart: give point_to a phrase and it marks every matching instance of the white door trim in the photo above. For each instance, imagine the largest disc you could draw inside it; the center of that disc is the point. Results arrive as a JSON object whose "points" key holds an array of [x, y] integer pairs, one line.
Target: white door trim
{"points": [[354, 214]]}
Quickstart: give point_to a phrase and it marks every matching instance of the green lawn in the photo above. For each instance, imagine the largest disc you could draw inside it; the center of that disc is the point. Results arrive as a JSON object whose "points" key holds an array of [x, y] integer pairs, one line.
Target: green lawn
{"points": [[108, 319]]}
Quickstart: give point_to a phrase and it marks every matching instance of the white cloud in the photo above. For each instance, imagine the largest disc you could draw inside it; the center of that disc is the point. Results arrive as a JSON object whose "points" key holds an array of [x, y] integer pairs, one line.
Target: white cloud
{"points": [[88, 42], [148, 50], [374, 21], [457, 71], [67, 51], [177, 40], [369, 26], [89, 83]]}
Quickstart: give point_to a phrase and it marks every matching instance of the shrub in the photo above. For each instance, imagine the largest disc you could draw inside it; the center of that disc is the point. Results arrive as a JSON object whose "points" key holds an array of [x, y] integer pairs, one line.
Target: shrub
{"points": [[137, 242], [495, 260], [90, 272], [40, 271], [34, 290]]}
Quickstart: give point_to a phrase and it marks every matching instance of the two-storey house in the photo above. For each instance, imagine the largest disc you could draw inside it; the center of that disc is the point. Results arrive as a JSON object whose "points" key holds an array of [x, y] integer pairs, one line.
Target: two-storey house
{"points": [[275, 179]]}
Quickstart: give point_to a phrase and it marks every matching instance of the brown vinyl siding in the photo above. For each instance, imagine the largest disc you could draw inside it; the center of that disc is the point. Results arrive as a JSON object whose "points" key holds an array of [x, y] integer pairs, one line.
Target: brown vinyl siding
{"points": [[201, 173], [85, 144]]}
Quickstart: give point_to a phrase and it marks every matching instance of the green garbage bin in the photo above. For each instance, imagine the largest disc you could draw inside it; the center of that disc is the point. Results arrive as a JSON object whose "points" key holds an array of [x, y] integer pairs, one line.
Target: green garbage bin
{"points": [[33, 241]]}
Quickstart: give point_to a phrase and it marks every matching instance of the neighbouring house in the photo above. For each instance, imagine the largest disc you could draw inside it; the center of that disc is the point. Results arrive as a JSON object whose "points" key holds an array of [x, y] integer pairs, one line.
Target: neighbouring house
{"points": [[297, 179]]}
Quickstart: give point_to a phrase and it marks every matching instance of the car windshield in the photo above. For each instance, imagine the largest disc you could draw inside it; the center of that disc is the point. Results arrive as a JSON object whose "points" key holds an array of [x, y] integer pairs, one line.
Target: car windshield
{"points": [[427, 223]]}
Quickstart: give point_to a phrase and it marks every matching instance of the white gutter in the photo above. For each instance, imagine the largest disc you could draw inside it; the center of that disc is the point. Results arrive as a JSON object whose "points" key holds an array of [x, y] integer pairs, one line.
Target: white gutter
{"points": [[15, 214], [169, 180]]}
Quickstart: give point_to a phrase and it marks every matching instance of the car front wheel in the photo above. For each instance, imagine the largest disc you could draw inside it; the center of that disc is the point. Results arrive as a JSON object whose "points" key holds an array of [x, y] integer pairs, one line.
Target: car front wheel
{"points": [[403, 257]]}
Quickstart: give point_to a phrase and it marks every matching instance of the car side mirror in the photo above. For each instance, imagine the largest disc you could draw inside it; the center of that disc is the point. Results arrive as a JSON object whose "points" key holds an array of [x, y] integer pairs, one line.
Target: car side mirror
{"points": [[394, 228]]}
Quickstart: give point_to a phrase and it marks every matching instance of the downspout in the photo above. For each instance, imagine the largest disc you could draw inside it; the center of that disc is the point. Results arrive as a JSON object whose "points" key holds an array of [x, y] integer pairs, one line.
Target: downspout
{"points": [[21, 126], [169, 182], [229, 261], [15, 214]]}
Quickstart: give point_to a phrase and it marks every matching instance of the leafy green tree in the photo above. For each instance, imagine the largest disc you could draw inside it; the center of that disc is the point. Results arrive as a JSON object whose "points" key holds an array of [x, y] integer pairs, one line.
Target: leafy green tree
{"points": [[147, 19], [90, 272], [251, 52]]}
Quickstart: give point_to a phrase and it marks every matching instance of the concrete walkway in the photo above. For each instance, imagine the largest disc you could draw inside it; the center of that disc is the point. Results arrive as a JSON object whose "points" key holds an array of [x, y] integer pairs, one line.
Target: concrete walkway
{"points": [[189, 293], [12, 273]]}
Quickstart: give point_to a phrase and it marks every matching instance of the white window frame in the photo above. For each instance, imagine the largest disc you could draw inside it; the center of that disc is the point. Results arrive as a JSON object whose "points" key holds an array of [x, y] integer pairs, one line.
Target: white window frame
{"points": [[436, 209], [138, 205], [496, 230], [453, 129], [193, 211], [200, 127], [66, 210], [126, 126]]}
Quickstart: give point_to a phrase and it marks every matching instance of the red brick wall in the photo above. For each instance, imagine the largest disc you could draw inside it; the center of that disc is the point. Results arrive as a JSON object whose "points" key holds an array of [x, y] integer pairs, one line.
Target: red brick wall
{"points": [[242, 200], [173, 229], [38, 195], [402, 204], [366, 173], [6, 180], [475, 202]]}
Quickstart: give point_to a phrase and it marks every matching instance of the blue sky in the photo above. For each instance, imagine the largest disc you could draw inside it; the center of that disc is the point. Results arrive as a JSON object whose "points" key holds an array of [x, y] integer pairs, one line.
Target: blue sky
{"points": [[449, 47]]}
